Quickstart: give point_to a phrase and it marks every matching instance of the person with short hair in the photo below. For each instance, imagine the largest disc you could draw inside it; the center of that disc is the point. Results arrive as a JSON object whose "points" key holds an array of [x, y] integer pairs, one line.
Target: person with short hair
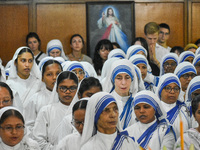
{"points": [[177, 49], [163, 36]]}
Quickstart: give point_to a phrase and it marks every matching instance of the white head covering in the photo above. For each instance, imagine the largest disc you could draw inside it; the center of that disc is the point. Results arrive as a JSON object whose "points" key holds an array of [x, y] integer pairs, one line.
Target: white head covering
{"points": [[43, 61], [139, 76], [60, 59], [121, 66], [71, 65], [7, 68], [134, 49], [169, 56], [13, 70], [152, 99], [196, 59], [4, 109], [119, 53], [89, 69], [193, 86], [96, 104], [55, 44], [54, 94], [2, 73], [197, 51], [184, 68], [165, 80], [184, 55], [106, 67]]}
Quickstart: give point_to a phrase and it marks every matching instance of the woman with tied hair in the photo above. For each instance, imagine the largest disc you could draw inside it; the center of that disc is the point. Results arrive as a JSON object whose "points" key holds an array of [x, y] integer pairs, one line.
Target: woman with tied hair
{"points": [[152, 129], [77, 45], [168, 63], [78, 115], [12, 132], [186, 56], [55, 49], [185, 71], [196, 63], [50, 68], [150, 81], [193, 90], [102, 129], [168, 91], [34, 43], [63, 97], [119, 53], [122, 83], [24, 75]]}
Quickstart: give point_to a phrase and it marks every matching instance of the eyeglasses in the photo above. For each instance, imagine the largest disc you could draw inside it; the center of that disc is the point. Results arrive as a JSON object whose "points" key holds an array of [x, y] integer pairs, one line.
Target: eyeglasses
{"points": [[164, 33], [169, 89], [5, 102], [77, 123], [167, 64], [10, 128], [186, 76], [64, 89], [79, 72]]}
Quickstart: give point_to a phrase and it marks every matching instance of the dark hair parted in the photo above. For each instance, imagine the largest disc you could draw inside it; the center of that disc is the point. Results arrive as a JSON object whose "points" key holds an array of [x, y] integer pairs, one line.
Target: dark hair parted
{"points": [[108, 12], [195, 104], [24, 50], [2, 84], [31, 35], [82, 104], [75, 36], [98, 61], [177, 48], [164, 25], [66, 75], [49, 62], [88, 83], [9, 113]]}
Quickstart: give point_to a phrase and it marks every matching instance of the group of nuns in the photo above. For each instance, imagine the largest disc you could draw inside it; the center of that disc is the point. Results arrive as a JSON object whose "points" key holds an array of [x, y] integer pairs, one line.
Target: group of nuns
{"points": [[64, 105]]}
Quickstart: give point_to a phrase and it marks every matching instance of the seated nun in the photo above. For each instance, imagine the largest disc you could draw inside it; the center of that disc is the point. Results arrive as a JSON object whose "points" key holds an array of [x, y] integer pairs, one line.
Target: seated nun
{"points": [[168, 91], [152, 129], [12, 131], [122, 83], [186, 56], [102, 129], [192, 136]]}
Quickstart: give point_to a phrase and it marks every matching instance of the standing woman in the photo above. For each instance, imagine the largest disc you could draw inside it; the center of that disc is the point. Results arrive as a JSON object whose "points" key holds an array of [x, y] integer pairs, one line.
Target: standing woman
{"points": [[122, 83], [24, 75], [77, 44], [102, 129], [12, 131], [34, 43], [168, 90], [102, 50], [50, 69], [49, 117]]}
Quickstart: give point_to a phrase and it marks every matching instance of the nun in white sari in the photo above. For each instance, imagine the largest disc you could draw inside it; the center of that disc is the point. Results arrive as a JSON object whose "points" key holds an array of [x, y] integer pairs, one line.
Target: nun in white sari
{"points": [[168, 63], [196, 63], [63, 98], [168, 90], [122, 83], [20, 140], [24, 75], [192, 91], [102, 127], [186, 56], [119, 53], [152, 129], [50, 68], [2, 73]]}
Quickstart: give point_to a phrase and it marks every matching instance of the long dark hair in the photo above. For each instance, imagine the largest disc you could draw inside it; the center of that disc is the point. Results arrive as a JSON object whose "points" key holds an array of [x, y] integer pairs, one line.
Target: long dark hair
{"points": [[98, 61], [31, 35]]}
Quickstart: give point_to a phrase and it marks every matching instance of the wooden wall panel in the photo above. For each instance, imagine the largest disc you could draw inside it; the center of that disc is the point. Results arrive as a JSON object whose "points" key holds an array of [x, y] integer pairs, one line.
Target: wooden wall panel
{"points": [[170, 13], [60, 21], [13, 29], [195, 22]]}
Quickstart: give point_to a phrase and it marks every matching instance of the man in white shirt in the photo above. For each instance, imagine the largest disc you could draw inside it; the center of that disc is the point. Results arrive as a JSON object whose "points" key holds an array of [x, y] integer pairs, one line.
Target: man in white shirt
{"points": [[163, 36]]}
